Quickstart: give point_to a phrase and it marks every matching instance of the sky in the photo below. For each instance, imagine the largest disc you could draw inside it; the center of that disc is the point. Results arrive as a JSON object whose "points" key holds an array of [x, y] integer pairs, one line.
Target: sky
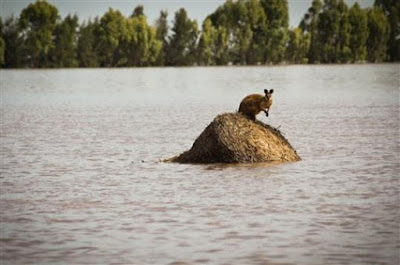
{"points": [[196, 9]]}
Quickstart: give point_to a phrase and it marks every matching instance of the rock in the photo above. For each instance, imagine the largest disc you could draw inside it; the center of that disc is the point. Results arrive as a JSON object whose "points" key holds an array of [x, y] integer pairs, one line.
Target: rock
{"points": [[234, 138]]}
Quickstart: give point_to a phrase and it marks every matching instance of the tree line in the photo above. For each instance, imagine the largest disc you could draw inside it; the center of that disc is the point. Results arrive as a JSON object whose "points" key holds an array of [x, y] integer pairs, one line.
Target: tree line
{"points": [[241, 32]]}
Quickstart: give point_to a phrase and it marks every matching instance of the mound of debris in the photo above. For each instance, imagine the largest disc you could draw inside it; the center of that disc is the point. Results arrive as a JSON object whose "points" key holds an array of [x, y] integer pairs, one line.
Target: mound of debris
{"points": [[234, 138]]}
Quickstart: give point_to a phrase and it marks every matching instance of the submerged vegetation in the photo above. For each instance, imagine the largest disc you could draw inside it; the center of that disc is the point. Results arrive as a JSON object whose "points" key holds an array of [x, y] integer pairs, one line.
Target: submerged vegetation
{"points": [[244, 32]]}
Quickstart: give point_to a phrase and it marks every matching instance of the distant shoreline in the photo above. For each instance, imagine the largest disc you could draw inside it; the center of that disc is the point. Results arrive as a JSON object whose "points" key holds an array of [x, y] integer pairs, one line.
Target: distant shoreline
{"points": [[198, 66], [239, 33]]}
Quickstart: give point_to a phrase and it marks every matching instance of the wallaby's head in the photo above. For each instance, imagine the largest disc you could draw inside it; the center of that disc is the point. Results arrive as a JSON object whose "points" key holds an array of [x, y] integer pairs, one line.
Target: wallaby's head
{"points": [[268, 94]]}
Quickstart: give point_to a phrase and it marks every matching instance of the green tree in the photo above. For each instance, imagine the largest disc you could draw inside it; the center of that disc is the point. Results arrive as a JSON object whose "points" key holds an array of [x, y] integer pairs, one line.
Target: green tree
{"points": [[111, 32], [392, 11], [243, 39], [222, 46], [358, 33], [257, 20], [333, 32], [245, 25], [138, 11], [155, 46], [140, 44], [227, 19], [379, 31], [309, 25], [162, 35], [2, 47], [277, 29], [206, 46], [220, 16], [38, 21], [235, 20], [121, 41], [309, 18], [87, 44], [14, 53], [241, 33], [328, 30], [343, 48], [2, 43], [182, 43], [298, 46], [65, 35]]}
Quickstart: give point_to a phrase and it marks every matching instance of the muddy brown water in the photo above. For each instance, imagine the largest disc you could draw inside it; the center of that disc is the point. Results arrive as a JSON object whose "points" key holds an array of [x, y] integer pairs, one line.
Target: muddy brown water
{"points": [[80, 181]]}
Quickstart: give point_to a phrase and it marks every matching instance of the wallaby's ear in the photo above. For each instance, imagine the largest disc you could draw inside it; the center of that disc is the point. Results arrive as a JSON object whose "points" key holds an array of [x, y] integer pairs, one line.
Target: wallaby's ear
{"points": [[271, 91], [265, 91]]}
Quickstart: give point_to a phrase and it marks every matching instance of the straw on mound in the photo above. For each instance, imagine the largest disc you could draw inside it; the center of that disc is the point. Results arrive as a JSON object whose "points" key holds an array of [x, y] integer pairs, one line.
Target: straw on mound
{"points": [[234, 138]]}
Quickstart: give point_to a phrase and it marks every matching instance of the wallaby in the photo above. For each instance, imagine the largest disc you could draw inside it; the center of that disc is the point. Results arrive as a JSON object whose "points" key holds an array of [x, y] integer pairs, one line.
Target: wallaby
{"points": [[253, 104]]}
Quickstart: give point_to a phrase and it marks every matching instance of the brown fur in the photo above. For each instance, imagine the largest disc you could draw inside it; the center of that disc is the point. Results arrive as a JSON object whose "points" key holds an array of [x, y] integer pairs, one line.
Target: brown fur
{"points": [[255, 103]]}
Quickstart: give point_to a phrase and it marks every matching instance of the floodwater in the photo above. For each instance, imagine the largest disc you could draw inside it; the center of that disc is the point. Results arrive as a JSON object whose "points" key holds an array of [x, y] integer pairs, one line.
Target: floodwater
{"points": [[81, 182]]}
